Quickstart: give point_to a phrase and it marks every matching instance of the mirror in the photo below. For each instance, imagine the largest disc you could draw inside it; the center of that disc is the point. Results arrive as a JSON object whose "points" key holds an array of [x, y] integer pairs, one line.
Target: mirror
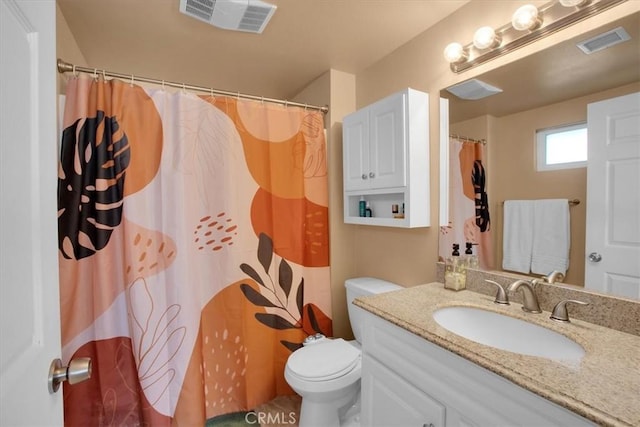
{"points": [[544, 90]]}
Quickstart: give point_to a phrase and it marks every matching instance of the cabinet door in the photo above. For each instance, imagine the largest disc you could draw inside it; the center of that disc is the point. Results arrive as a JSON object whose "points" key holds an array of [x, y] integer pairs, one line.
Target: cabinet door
{"points": [[355, 150], [387, 142], [388, 400]]}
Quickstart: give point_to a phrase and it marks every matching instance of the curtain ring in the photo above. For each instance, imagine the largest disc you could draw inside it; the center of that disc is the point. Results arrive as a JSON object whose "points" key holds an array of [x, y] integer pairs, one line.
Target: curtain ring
{"points": [[286, 103], [238, 96], [104, 76], [132, 80], [163, 85], [305, 106], [95, 74], [184, 88], [262, 100], [75, 73]]}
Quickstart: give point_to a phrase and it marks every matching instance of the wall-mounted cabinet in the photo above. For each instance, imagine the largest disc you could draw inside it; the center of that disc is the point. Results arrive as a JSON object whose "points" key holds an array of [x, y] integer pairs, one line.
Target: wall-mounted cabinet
{"points": [[386, 161]]}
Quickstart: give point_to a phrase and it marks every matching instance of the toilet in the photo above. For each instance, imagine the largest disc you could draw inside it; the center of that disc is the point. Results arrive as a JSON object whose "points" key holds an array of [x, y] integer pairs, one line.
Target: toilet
{"points": [[326, 372]]}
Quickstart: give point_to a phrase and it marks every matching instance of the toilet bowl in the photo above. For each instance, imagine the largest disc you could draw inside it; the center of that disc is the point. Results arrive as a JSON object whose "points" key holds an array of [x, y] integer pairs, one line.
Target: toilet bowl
{"points": [[327, 376], [326, 373]]}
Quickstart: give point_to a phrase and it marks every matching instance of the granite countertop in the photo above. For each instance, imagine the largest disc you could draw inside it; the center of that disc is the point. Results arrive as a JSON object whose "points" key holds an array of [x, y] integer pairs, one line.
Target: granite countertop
{"points": [[604, 387]]}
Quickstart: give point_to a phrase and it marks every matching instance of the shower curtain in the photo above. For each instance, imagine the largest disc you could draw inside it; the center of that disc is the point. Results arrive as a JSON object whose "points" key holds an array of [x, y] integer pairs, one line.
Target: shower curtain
{"points": [[193, 250], [469, 219]]}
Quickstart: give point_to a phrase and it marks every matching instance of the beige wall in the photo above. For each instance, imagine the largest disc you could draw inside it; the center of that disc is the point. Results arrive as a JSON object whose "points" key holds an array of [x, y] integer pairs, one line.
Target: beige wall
{"points": [[407, 257], [337, 89], [512, 171], [66, 48]]}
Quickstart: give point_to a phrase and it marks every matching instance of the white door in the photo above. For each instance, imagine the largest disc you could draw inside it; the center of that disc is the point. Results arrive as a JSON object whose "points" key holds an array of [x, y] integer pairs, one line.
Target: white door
{"points": [[392, 401], [388, 143], [613, 197], [355, 150], [29, 304]]}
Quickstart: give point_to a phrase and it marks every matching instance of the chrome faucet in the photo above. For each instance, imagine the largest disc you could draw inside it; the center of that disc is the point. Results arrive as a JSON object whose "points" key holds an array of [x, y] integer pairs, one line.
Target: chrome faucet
{"points": [[553, 277], [530, 301]]}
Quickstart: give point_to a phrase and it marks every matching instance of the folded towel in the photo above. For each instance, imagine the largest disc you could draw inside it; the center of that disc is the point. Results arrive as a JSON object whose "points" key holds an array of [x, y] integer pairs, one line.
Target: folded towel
{"points": [[551, 237], [517, 241]]}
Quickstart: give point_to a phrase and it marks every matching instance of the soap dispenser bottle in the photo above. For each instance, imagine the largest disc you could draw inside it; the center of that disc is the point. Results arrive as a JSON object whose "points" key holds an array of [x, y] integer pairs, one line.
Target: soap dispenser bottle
{"points": [[470, 259], [454, 277]]}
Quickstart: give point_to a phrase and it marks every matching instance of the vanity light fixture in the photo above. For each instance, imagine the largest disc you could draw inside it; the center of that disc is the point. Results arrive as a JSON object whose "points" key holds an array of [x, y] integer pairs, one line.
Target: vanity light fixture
{"points": [[573, 3], [486, 37], [526, 18], [454, 53], [529, 23]]}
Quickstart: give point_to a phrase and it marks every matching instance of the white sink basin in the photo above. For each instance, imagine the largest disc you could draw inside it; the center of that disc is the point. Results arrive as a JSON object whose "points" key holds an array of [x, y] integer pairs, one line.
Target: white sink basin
{"points": [[508, 333]]}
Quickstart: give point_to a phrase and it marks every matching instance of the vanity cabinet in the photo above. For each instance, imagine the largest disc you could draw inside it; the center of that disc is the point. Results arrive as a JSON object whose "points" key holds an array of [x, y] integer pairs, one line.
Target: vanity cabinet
{"points": [[395, 401], [409, 381], [386, 160]]}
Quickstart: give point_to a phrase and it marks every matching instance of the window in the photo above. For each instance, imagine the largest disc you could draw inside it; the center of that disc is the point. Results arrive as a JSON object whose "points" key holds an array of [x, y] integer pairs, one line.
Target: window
{"points": [[563, 147]]}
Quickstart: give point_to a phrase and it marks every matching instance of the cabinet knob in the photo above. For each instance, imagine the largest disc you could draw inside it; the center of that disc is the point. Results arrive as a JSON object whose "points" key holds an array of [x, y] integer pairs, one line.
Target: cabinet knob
{"points": [[364, 176], [371, 174]]}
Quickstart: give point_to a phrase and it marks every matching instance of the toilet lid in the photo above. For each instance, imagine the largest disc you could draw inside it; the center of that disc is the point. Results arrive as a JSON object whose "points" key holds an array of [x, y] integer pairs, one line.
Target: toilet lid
{"points": [[324, 361]]}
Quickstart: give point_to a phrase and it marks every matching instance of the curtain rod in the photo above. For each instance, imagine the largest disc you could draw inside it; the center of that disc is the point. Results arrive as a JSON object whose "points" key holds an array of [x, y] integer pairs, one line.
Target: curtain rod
{"points": [[65, 67], [465, 138]]}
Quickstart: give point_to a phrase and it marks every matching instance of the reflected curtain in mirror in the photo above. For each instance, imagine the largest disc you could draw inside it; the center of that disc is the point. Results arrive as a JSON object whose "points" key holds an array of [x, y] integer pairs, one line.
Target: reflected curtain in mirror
{"points": [[469, 217]]}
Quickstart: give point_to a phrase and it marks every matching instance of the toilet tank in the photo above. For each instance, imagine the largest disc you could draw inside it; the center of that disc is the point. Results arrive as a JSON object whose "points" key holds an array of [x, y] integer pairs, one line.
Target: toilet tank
{"points": [[362, 286]]}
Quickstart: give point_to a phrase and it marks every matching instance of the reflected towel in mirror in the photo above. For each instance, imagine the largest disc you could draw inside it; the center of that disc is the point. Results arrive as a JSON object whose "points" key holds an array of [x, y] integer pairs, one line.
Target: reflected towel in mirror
{"points": [[517, 243], [551, 237]]}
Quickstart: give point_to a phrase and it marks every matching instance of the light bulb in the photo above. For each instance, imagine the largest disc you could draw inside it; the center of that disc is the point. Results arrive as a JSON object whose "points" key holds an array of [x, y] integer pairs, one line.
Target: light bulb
{"points": [[526, 18], [572, 3], [485, 37], [454, 52]]}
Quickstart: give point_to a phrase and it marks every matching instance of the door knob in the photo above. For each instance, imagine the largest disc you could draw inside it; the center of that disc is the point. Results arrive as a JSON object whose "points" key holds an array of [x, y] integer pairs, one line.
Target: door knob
{"points": [[595, 257], [78, 370]]}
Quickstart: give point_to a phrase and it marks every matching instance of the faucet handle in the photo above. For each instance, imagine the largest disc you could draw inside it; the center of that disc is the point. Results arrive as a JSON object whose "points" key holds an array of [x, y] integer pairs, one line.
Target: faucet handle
{"points": [[501, 295], [560, 312], [553, 277]]}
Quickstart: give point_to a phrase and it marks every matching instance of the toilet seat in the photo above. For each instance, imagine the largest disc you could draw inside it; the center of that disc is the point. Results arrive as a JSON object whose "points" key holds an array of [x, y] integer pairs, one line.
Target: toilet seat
{"points": [[324, 361]]}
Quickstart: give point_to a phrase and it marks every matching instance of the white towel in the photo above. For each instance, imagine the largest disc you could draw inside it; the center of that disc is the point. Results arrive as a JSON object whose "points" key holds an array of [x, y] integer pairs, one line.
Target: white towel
{"points": [[551, 237], [517, 240]]}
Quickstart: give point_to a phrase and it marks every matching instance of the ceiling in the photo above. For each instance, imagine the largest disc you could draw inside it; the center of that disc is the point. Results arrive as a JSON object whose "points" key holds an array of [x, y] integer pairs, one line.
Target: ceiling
{"points": [[304, 39], [556, 74]]}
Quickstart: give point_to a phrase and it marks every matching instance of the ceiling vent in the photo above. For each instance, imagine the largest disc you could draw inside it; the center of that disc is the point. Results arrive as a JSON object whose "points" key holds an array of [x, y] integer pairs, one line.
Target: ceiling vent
{"points": [[604, 40], [251, 16], [473, 89]]}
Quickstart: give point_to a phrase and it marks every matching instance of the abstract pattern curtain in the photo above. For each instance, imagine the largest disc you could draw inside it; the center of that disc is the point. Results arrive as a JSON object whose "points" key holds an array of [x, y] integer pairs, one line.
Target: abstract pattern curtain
{"points": [[469, 219], [193, 248]]}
